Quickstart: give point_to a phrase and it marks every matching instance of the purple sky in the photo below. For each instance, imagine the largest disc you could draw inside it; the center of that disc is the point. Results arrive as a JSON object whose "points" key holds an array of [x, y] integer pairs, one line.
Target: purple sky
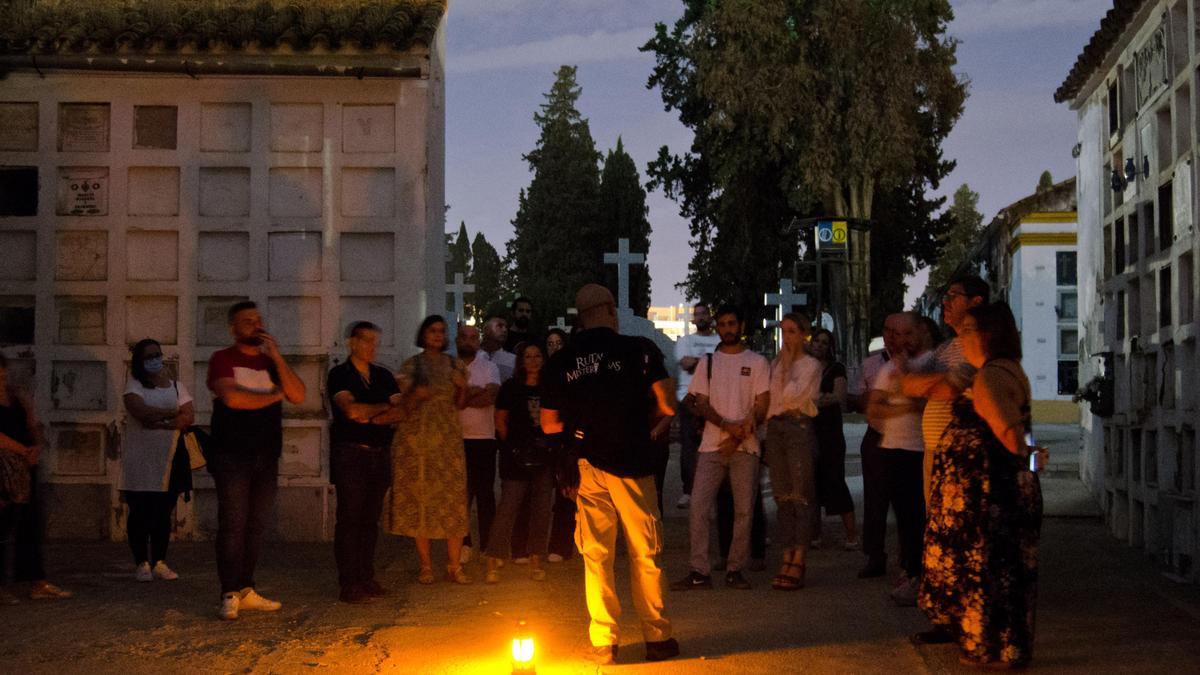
{"points": [[502, 54]]}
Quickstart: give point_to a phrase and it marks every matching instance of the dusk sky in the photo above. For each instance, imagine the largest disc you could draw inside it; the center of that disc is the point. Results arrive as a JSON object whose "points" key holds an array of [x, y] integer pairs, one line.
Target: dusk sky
{"points": [[502, 54]]}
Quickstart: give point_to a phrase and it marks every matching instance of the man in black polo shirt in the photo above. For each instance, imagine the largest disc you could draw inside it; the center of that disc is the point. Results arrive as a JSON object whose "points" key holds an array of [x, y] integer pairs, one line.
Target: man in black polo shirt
{"points": [[594, 399], [364, 399]]}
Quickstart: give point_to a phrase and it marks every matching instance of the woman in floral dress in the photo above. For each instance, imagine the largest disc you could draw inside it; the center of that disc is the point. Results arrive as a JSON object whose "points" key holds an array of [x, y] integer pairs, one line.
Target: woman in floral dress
{"points": [[429, 471], [985, 510]]}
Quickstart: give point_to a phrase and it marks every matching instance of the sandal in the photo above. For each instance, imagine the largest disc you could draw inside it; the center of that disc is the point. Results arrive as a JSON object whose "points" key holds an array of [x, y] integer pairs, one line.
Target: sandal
{"points": [[789, 582], [456, 575], [426, 576]]}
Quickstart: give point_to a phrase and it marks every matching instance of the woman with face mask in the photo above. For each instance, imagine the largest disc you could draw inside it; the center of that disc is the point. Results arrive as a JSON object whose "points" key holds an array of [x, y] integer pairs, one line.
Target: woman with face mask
{"points": [[151, 483]]}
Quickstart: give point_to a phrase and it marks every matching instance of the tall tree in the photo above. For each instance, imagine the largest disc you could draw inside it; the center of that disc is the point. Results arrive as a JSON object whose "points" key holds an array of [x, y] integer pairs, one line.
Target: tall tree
{"points": [[801, 108], [486, 275], [623, 213], [957, 244], [556, 245], [458, 253]]}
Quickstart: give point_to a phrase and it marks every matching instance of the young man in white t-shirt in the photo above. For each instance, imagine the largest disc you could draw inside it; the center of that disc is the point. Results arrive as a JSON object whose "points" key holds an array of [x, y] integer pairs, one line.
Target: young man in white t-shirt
{"points": [[898, 419], [478, 420], [734, 399], [688, 352]]}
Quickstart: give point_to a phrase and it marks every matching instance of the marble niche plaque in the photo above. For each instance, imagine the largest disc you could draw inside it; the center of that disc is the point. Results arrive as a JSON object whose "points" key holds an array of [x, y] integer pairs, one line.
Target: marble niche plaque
{"points": [[296, 192], [155, 317], [225, 191], [19, 127], [369, 192], [151, 255], [153, 191], [212, 319], [79, 385], [301, 452], [225, 127], [83, 127], [369, 128], [297, 127], [155, 127], [311, 370], [294, 256], [368, 256], [379, 310], [203, 397], [82, 191], [295, 321], [223, 256], [20, 255], [81, 255], [78, 449], [82, 320]]}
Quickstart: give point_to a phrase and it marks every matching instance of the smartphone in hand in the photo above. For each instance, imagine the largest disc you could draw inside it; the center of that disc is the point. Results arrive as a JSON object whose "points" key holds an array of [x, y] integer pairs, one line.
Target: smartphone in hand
{"points": [[1032, 445]]}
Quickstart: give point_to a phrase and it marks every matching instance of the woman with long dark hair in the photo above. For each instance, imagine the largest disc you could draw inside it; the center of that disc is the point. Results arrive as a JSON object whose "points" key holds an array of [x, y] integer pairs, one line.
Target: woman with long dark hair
{"points": [[429, 468], [832, 491], [154, 472], [979, 587], [526, 463]]}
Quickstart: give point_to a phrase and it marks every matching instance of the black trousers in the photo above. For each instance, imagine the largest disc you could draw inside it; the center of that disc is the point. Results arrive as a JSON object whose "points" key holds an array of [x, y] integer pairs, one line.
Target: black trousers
{"points": [[481, 486], [562, 526], [21, 530], [907, 495], [362, 477], [875, 498], [758, 529], [149, 524], [689, 444]]}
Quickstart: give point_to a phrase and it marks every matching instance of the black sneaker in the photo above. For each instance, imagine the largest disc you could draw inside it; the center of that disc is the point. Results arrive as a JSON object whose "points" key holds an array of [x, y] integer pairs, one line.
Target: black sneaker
{"points": [[604, 655], [694, 581], [355, 595], [874, 568], [373, 589], [935, 636], [736, 580], [662, 650]]}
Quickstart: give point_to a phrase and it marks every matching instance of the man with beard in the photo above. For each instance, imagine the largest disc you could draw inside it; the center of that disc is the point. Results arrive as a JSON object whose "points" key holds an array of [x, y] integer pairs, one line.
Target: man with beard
{"points": [[495, 334], [249, 382], [519, 328], [478, 421], [732, 392]]}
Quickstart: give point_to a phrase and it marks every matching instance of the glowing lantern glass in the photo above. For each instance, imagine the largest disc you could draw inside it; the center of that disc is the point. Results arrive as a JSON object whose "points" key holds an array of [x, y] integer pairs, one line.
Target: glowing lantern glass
{"points": [[522, 650]]}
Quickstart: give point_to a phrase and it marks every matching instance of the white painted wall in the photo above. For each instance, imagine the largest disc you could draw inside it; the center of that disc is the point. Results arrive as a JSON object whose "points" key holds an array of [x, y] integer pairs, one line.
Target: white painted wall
{"points": [[1034, 296]]}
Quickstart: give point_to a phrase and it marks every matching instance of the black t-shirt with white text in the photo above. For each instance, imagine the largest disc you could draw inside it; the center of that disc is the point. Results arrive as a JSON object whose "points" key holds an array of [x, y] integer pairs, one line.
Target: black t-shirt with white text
{"points": [[599, 384]]}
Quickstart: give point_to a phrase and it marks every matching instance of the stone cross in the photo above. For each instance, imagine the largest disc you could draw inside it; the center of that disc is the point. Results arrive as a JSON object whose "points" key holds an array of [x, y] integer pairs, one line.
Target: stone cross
{"points": [[460, 289], [623, 259], [785, 299], [561, 324]]}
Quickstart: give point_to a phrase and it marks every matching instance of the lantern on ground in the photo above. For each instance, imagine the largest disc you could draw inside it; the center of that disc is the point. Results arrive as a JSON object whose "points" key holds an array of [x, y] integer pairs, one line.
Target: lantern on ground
{"points": [[522, 650]]}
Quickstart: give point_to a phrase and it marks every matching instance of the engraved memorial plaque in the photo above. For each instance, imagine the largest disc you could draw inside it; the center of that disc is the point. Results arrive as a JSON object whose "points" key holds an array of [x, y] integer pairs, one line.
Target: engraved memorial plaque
{"points": [[83, 127], [82, 256], [19, 127], [82, 191], [78, 450], [81, 320], [155, 127]]}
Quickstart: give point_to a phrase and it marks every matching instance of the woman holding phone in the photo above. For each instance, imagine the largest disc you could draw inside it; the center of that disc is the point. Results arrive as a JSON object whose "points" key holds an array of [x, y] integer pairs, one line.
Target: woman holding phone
{"points": [[985, 510]]}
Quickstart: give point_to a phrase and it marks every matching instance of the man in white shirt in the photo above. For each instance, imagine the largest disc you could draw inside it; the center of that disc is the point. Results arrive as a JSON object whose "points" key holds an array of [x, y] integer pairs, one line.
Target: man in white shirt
{"points": [[898, 418], [478, 422], [874, 467], [689, 349], [733, 398], [495, 332]]}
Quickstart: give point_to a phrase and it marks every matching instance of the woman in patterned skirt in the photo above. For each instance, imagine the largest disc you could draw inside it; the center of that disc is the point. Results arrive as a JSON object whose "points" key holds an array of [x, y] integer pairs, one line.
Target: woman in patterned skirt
{"points": [[985, 510], [429, 471]]}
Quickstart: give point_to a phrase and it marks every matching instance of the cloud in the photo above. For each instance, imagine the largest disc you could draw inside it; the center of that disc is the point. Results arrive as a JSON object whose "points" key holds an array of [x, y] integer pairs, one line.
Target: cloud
{"points": [[993, 16], [573, 49]]}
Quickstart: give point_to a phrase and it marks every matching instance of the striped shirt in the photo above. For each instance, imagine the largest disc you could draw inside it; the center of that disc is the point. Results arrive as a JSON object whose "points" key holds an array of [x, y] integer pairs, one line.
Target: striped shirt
{"points": [[947, 358]]}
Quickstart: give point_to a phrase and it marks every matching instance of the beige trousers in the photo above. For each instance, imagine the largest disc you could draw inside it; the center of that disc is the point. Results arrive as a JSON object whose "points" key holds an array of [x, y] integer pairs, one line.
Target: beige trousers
{"points": [[604, 501]]}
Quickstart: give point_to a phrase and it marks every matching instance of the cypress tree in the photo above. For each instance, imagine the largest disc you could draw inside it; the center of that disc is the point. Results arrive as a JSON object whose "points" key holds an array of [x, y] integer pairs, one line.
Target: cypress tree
{"points": [[623, 214]]}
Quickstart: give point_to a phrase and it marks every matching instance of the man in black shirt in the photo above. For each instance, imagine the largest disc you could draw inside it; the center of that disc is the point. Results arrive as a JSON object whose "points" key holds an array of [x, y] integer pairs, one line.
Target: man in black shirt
{"points": [[364, 399], [594, 399]]}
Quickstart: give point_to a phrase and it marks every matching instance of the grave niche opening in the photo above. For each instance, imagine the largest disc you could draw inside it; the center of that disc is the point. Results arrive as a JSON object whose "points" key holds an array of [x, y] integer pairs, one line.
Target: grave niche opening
{"points": [[16, 319], [18, 190]]}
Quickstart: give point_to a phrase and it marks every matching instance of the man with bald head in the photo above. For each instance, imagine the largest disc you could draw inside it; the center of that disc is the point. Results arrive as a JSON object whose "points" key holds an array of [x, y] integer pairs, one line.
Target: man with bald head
{"points": [[898, 418], [478, 421], [596, 391]]}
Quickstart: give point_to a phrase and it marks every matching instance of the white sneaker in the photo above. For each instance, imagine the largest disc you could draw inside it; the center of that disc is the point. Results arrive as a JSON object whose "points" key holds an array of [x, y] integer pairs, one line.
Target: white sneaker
{"points": [[161, 571], [143, 572], [521, 561], [554, 558], [229, 606], [685, 501], [254, 601], [464, 555]]}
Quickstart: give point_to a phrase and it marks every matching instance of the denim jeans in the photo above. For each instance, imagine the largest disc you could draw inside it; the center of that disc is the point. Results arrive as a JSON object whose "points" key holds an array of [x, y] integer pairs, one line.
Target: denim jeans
{"points": [[362, 476], [246, 487], [513, 493], [792, 454]]}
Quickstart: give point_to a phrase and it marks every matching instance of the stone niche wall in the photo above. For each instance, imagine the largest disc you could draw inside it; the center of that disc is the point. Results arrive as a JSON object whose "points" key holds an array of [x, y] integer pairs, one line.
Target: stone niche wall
{"points": [[145, 206]]}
